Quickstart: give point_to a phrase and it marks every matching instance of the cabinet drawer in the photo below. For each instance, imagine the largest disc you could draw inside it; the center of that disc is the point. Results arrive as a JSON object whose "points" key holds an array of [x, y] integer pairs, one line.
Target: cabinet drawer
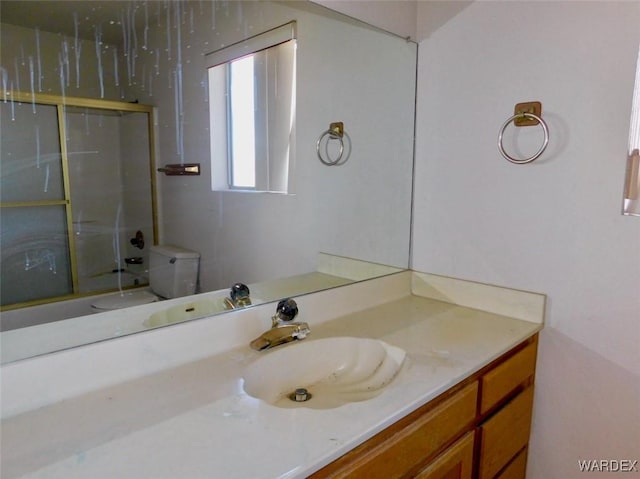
{"points": [[505, 434], [455, 463], [517, 469], [414, 440], [503, 379]]}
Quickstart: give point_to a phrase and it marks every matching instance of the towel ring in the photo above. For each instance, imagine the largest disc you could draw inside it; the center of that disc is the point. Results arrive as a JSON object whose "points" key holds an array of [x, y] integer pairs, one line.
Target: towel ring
{"points": [[335, 132], [545, 129]]}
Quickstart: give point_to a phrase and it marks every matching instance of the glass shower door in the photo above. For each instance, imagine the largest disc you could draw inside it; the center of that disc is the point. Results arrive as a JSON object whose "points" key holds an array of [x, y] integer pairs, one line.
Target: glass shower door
{"points": [[35, 262], [77, 206], [111, 193]]}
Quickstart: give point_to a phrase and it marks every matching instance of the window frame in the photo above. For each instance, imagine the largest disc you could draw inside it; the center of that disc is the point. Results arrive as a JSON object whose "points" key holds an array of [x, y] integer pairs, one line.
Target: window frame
{"points": [[271, 174], [631, 197]]}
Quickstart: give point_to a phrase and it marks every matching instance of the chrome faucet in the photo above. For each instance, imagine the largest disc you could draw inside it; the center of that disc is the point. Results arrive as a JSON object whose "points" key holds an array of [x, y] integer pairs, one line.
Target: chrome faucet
{"points": [[238, 297], [280, 332]]}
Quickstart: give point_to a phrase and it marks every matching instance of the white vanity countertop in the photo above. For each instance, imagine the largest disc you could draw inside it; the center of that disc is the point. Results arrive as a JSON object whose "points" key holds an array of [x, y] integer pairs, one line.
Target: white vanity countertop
{"points": [[193, 420]]}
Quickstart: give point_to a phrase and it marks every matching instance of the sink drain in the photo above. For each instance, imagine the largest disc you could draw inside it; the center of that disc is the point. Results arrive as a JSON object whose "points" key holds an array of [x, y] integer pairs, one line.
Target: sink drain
{"points": [[300, 395]]}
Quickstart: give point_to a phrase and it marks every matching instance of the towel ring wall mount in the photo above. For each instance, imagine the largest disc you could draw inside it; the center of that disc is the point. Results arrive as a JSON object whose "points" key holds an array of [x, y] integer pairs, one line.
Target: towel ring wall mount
{"points": [[335, 132], [526, 114]]}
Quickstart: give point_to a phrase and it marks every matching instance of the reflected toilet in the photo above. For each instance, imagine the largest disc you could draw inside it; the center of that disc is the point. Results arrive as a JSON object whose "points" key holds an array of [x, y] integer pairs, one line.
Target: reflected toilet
{"points": [[173, 272]]}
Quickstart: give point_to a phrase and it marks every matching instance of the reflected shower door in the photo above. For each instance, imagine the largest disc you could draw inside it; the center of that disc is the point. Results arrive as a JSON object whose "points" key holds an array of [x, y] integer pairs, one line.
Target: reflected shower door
{"points": [[76, 186], [111, 194], [35, 262]]}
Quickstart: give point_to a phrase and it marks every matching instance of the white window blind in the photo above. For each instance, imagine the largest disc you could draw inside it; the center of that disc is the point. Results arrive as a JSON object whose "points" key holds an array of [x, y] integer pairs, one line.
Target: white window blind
{"points": [[631, 205], [252, 112], [262, 41]]}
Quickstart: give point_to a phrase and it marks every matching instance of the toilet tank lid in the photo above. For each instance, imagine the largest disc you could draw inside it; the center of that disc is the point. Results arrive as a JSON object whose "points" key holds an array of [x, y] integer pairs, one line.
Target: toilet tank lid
{"points": [[174, 252]]}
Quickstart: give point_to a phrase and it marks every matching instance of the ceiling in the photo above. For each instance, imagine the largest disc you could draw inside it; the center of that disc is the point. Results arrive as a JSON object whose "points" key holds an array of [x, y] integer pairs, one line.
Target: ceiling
{"points": [[60, 16]]}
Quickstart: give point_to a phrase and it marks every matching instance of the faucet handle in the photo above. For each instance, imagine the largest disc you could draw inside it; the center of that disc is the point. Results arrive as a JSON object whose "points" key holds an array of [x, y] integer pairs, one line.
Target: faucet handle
{"points": [[286, 310], [240, 294], [302, 331]]}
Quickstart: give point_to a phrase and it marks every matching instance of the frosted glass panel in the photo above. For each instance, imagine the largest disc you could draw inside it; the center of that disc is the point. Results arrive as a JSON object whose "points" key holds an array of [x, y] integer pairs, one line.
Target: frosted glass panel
{"points": [[35, 254], [111, 195], [30, 154]]}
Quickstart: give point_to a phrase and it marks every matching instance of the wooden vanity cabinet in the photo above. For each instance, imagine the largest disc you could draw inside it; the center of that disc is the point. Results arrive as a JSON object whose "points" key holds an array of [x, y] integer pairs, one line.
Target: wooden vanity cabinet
{"points": [[506, 402], [402, 448], [478, 429], [454, 463]]}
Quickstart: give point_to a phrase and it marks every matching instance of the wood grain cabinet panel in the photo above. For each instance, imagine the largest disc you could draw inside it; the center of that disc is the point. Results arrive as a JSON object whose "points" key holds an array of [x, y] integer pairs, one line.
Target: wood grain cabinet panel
{"points": [[505, 434], [517, 469], [505, 378], [455, 463], [411, 443]]}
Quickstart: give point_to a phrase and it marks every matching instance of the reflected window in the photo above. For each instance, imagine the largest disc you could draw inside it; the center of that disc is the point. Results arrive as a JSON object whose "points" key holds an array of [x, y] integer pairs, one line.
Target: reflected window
{"points": [[242, 128], [252, 108]]}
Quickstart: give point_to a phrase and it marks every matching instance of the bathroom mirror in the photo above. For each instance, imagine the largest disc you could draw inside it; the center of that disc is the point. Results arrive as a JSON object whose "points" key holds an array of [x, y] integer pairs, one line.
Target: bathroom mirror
{"points": [[153, 53]]}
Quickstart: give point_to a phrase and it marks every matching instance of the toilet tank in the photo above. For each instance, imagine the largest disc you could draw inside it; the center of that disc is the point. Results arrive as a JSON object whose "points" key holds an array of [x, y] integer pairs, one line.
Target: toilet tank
{"points": [[173, 271]]}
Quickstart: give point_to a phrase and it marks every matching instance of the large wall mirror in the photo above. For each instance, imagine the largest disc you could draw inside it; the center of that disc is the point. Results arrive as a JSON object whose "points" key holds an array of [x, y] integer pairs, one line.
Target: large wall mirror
{"points": [[157, 53]]}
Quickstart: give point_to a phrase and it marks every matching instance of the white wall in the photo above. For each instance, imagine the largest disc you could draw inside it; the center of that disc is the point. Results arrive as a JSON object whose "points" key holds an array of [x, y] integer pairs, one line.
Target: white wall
{"points": [[20, 44], [553, 226]]}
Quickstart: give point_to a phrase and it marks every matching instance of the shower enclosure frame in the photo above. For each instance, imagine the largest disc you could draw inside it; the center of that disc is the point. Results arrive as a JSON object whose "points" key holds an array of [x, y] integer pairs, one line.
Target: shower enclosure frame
{"points": [[61, 102]]}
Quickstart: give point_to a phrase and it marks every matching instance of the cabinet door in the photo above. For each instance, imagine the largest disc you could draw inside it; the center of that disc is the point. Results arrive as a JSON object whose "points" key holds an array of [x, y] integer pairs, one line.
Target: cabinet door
{"points": [[455, 463], [517, 469]]}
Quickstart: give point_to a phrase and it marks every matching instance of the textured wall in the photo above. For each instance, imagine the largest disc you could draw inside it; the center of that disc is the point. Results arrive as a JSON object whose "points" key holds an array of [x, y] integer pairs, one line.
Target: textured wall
{"points": [[553, 226]]}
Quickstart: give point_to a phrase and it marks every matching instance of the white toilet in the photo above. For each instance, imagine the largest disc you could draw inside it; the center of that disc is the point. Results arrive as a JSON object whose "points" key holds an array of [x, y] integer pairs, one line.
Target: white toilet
{"points": [[173, 272]]}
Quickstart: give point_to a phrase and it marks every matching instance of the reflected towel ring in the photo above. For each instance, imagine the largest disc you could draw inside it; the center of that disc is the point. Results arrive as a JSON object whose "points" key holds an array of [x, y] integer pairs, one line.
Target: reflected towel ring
{"points": [[545, 129], [332, 136], [335, 132]]}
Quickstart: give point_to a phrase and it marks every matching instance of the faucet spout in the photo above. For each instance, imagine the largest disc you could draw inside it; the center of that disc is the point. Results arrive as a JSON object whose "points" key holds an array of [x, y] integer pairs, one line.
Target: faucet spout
{"points": [[282, 333], [260, 343]]}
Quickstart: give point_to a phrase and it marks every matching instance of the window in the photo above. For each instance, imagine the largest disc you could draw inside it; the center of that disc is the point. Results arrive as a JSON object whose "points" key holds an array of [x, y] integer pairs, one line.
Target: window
{"points": [[252, 109], [631, 205], [242, 120]]}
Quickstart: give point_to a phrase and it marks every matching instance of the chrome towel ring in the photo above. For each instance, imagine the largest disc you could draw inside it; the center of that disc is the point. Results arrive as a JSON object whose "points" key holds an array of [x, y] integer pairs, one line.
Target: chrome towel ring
{"points": [[529, 116], [335, 132]]}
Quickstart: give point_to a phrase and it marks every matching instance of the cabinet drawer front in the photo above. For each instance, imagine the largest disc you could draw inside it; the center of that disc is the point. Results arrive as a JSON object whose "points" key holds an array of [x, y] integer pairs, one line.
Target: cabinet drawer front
{"points": [[505, 434], [455, 463], [414, 444], [517, 469], [502, 380]]}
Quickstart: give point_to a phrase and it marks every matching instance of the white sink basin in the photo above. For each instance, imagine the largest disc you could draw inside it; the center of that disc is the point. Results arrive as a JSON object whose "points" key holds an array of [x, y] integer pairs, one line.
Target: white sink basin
{"points": [[334, 371]]}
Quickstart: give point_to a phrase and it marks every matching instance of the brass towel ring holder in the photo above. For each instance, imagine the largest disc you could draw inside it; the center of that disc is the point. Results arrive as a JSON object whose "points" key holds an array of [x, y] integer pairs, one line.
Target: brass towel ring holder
{"points": [[335, 132], [527, 114]]}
